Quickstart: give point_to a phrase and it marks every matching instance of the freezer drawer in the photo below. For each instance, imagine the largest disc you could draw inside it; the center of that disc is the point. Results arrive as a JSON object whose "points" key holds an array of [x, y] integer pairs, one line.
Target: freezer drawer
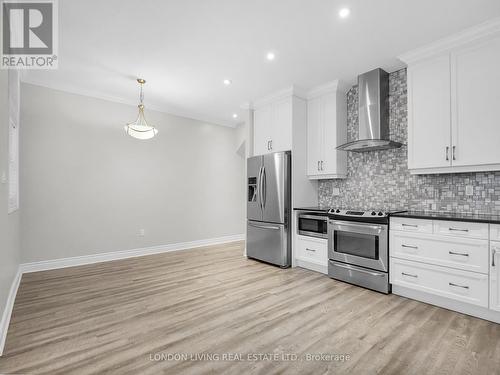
{"points": [[268, 242]]}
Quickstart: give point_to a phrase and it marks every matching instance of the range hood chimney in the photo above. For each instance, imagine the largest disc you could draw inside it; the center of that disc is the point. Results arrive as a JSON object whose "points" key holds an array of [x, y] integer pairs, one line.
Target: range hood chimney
{"points": [[373, 91]]}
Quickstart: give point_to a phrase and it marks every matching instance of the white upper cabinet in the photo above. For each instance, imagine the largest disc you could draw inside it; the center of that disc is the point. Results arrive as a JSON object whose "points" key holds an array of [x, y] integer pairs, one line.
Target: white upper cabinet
{"points": [[314, 137], [429, 113], [326, 129], [262, 130], [476, 102], [453, 100], [281, 137], [273, 125]]}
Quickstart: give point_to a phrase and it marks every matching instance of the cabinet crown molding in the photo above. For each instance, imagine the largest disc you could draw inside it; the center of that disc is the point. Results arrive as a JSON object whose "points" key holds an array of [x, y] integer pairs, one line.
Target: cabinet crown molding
{"points": [[326, 88], [278, 95], [488, 29]]}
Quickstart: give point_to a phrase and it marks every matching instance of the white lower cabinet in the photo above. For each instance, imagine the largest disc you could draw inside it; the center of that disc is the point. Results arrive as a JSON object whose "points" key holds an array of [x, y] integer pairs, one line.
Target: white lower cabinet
{"points": [[461, 253], [451, 264], [312, 250], [495, 276], [469, 287]]}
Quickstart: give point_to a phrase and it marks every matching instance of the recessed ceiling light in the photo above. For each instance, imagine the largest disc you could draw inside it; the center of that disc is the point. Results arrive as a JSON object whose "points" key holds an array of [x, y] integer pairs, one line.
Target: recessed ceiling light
{"points": [[235, 115], [227, 82], [344, 12], [270, 56]]}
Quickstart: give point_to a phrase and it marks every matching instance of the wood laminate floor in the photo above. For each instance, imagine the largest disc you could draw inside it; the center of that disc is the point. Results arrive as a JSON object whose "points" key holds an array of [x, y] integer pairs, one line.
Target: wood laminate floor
{"points": [[155, 314]]}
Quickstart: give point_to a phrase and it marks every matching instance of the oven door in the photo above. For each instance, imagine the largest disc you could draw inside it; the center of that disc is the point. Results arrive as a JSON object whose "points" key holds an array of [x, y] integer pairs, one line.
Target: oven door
{"points": [[360, 244]]}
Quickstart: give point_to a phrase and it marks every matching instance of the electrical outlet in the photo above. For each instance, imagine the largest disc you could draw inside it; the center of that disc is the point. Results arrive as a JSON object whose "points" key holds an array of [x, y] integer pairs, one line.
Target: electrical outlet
{"points": [[142, 232], [335, 192], [469, 190], [3, 179]]}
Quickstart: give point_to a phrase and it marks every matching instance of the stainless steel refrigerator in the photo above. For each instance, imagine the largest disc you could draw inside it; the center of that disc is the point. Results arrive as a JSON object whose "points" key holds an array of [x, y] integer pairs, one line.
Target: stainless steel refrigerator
{"points": [[268, 208]]}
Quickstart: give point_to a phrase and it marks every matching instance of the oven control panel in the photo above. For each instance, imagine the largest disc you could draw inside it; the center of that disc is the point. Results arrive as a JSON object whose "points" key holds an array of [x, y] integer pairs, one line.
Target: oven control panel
{"points": [[353, 213]]}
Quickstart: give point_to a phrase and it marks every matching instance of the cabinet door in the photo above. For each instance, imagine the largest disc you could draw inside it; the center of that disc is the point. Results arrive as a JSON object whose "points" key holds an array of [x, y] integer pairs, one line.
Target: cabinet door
{"points": [[314, 136], [334, 124], [495, 276], [281, 125], [262, 130], [475, 100], [429, 122]]}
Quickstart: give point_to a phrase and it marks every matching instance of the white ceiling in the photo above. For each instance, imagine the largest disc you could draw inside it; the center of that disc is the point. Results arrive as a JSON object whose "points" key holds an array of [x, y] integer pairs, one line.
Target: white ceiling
{"points": [[185, 48]]}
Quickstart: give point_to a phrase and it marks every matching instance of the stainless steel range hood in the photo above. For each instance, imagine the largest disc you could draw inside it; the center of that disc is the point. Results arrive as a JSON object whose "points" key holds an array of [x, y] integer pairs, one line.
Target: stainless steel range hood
{"points": [[373, 91]]}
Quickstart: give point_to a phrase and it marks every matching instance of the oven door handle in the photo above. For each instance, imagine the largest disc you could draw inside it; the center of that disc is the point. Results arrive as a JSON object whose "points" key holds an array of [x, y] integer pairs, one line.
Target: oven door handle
{"points": [[358, 228], [351, 268]]}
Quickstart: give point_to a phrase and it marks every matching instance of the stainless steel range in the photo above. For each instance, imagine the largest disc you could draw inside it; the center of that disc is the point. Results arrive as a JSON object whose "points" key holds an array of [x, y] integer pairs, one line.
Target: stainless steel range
{"points": [[358, 248]]}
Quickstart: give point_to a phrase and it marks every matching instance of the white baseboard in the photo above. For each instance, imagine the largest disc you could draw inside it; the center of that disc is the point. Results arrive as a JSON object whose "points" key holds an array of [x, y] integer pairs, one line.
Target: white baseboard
{"points": [[116, 255], [461, 307], [7, 312]]}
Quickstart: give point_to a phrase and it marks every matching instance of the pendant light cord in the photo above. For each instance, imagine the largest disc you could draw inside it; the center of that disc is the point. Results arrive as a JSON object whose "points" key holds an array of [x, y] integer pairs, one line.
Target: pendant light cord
{"points": [[142, 94]]}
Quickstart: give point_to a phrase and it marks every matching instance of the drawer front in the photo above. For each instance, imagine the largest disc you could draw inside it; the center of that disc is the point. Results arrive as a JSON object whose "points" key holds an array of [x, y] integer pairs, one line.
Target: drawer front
{"points": [[495, 276], [468, 287], [411, 225], [312, 250], [495, 232], [461, 229], [460, 253]]}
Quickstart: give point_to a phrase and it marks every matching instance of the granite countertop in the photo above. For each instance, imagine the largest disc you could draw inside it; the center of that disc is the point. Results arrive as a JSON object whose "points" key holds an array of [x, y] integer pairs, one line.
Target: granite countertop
{"points": [[453, 216], [314, 208]]}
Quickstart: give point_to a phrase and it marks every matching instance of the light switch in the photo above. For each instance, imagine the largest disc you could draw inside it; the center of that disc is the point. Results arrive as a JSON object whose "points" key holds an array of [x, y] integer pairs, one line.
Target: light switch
{"points": [[335, 192], [469, 190]]}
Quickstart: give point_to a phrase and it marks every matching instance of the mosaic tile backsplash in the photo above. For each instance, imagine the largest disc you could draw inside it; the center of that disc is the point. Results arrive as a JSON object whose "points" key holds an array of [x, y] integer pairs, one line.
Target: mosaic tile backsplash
{"points": [[381, 180]]}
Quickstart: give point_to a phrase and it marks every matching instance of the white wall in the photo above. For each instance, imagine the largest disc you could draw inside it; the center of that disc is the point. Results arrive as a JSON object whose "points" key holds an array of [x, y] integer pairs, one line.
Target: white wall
{"points": [[87, 187], [9, 224]]}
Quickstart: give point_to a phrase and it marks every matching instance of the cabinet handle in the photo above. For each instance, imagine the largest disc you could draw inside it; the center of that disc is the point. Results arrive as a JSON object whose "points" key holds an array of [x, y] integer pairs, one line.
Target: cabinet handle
{"points": [[409, 274], [321, 164], [453, 153], [410, 225], [310, 250], [271, 144], [494, 252], [458, 286], [447, 153], [461, 254], [267, 145], [458, 230], [410, 247]]}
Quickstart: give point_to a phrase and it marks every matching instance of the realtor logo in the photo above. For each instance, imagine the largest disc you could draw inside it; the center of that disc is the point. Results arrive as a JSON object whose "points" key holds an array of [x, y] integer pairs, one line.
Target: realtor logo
{"points": [[29, 34]]}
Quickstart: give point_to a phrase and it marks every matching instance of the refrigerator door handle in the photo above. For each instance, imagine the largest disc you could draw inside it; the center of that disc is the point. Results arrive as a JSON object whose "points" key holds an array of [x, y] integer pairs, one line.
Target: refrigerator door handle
{"points": [[259, 192], [264, 187], [272, 227]]}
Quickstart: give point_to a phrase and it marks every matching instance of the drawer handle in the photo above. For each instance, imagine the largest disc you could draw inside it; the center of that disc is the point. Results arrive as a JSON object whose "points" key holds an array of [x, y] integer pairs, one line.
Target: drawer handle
{"points": [[409, 274], [409, 247], [494, 252], [458, 286], [458, 230], [313, 250], [410, 225], [461, 254]]}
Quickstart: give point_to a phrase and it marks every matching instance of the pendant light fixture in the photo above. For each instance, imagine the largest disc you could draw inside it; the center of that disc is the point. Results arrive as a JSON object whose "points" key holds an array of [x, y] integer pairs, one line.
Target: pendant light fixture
{"points": [[139, 128]]}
